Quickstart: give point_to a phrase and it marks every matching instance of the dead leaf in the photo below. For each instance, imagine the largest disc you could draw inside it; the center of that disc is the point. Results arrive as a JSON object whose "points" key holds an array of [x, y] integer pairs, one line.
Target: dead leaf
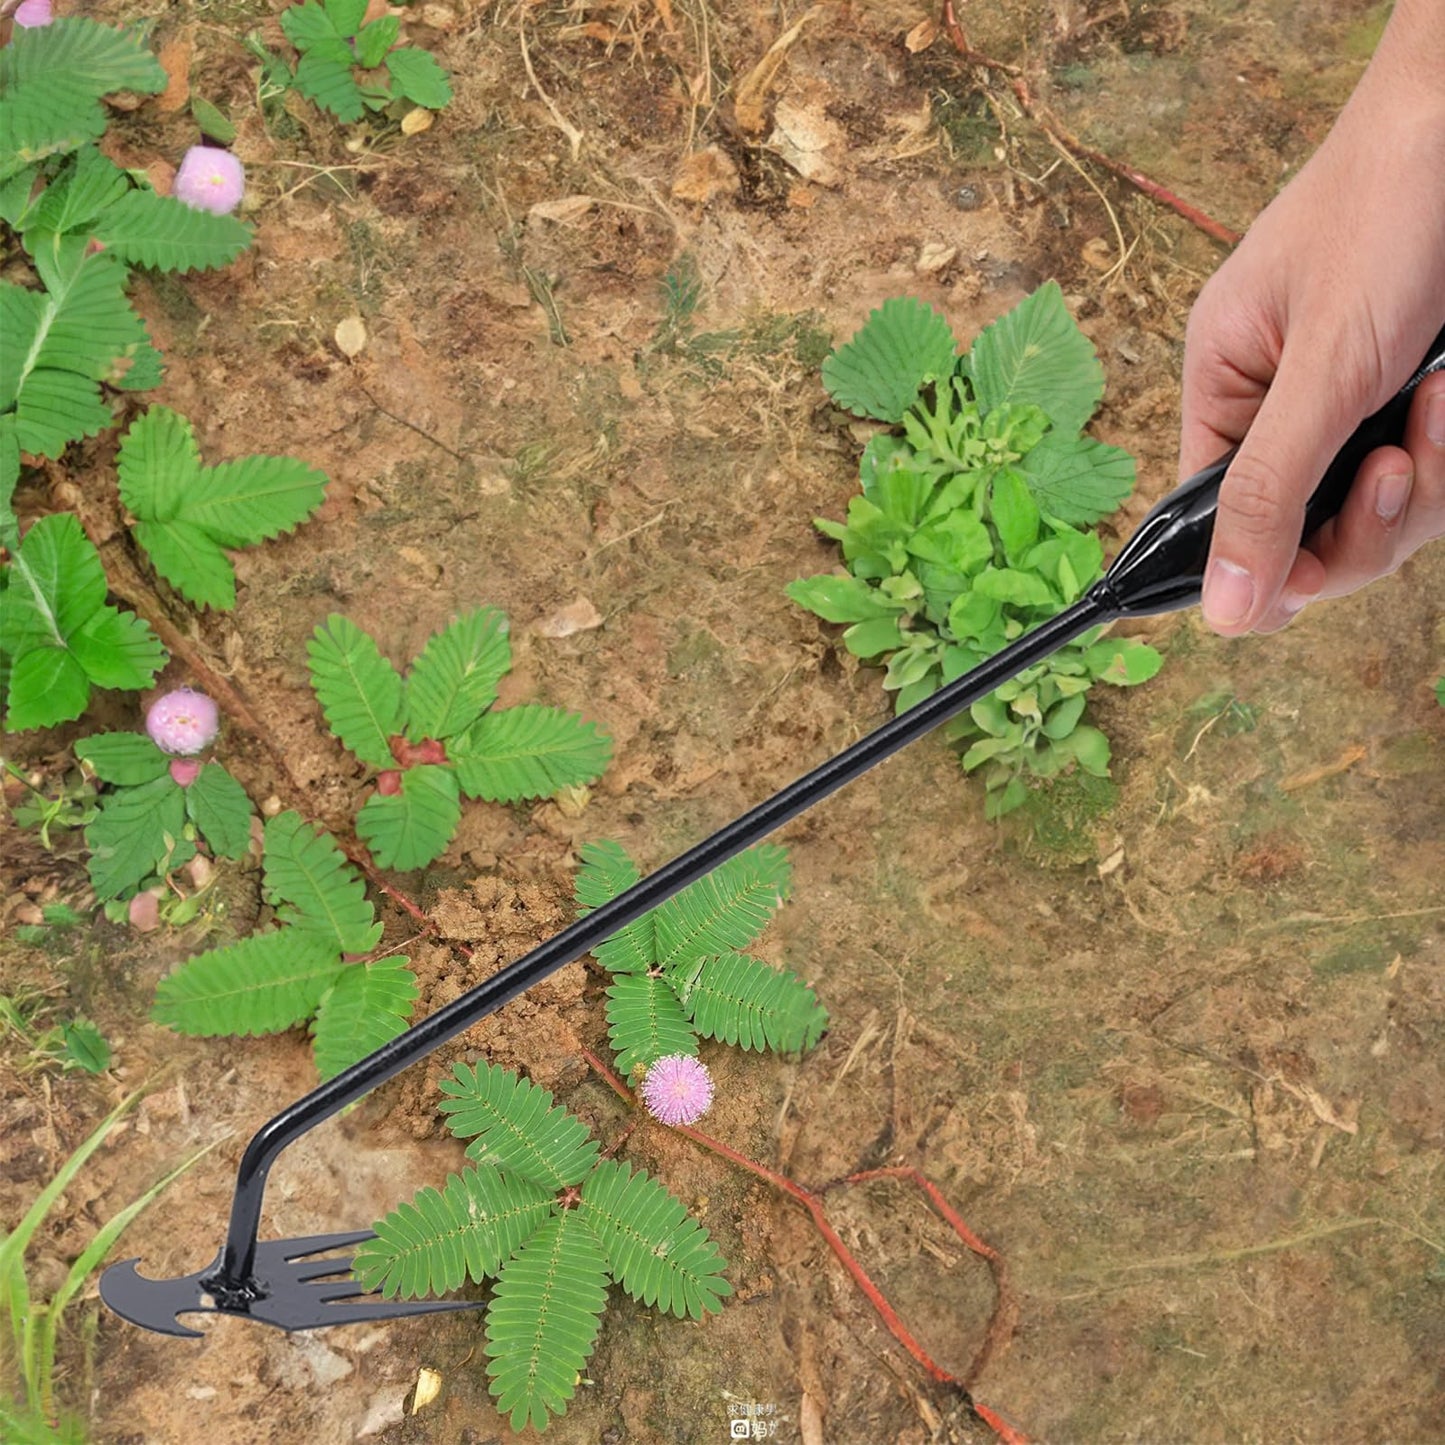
{"points": [[175, 58], [752, 95], [350, 336], [921, 36], [705, 174], [934, 258], [802, 136], [565, 211], [1112, 863], [428, 1387], [578, 616], [1343, 763], [417, 120]]}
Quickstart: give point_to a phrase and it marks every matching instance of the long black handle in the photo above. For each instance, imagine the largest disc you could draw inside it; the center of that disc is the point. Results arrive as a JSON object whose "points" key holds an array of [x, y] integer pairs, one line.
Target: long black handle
{"points": [[1161, 567]]}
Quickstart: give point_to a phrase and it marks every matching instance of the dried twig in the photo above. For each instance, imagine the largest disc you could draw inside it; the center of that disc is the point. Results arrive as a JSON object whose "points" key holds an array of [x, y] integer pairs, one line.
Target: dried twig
{"points": [[574, 136]]}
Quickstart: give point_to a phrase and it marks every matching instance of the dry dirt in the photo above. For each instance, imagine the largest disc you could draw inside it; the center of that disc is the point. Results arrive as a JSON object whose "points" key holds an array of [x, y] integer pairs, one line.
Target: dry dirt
{"points": [[1178, 1060]]}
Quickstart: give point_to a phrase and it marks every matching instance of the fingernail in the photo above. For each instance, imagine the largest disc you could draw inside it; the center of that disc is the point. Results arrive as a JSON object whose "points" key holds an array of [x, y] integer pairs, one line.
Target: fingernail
{"points": [[1228, 593], [1391, 495], [1435, 418], [1292, 602]]}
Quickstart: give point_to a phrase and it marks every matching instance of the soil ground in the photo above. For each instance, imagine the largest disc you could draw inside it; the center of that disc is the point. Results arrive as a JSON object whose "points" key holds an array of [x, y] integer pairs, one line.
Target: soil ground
{"points": [[1177, 1058]]}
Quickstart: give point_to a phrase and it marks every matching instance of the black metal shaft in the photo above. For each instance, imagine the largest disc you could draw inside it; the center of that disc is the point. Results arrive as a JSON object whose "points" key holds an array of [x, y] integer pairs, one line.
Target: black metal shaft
{"points": [[234, 1281]]}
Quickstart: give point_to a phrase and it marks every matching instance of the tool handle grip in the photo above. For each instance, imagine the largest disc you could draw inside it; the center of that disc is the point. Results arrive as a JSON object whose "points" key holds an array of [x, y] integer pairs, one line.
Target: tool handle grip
{"points": [[1161, 567]]}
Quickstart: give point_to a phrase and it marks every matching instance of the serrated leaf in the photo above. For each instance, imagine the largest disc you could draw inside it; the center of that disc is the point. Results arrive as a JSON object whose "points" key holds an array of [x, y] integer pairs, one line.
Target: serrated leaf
{"points": [[122, 758], [313, 886], [217, 804], [543, 1320], [253, 499], [190, 561], [1036, 355], [416, 75], [261, 985], [167, 235], [323, 75], [528, 752], [607, 871], [904, 345], [455, 679], [655, 1250], [743, 1001], [84, 1047], [367, 1005], [308, 24], [57, 584], [81, 52], [359, 690], [724, 911], [117, 649], [46, 686], [513, 1125], [87, 184], [375, 39], [645, 1022], [132, 833], [1078, 480], [440, 1239], [411, 828], [346, 16], [157, 461]]}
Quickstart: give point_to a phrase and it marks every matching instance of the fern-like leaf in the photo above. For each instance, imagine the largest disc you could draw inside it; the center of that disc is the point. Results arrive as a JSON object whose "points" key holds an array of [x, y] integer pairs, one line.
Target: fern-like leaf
{"points": [[455, 679], [902, 346], [514, 1125], [441, 1238], [741, 1000], [528, 752], [366, 1006], [655, 1250], [411, 828], [543, 1320], [724, 911], [167, 235], [87, 184], [607, 871], [217, 804], [313, 886], [323, 74], [133, 831], [645, 1021], [358, 689], [261, 985]]}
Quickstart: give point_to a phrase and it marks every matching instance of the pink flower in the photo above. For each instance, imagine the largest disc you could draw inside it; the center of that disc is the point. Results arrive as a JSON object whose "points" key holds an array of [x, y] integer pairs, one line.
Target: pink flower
{"points": [[210, 179], [31, 14], [185, 771], [183, 722], [677, 1089]]}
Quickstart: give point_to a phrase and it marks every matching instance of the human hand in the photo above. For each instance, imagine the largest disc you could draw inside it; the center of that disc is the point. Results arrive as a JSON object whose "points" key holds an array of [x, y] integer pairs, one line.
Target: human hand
{"points": [[1318, 318]]}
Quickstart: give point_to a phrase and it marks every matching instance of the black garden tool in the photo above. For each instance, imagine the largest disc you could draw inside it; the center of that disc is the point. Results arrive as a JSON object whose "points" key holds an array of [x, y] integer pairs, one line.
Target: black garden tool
{"points": [[304, 1283]]}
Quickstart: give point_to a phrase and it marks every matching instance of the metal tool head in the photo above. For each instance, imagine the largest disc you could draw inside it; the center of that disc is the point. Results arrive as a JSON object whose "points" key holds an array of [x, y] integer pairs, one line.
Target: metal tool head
{"points": [[291, 1288]]}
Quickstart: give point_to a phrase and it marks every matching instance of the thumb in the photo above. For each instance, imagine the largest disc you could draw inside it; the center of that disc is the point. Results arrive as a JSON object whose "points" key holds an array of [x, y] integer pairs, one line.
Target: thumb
{"points": [[1299, 427]]}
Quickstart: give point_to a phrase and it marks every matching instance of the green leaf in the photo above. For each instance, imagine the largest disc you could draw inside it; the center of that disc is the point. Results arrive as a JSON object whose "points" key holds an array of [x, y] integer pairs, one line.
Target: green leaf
{"points": [[513, 1125], [359, 691], [212, 121], [190, 561], [455, 679], [262, 985], [528, 752], [1122, 661], [308, 25], [543, 1320], [84, 1047], [132, 833], [1064, 717], [840, 599], [253, 499], [411, 828], [367, 1005], [117, 650], [1440, 691], [217, 804], [1089, 748], [1036, 355], [122, 758], [58, 583], [157, 462], [655, 1250], [323, 75], [1078, 480], [312, 885], [645, 1022], [903, 346], [1008, 584], [725, 910], [868, 639], [416, 76], [1014, 512], [47, 686], [744, 1001], [439, 1240], [958, 541], [346, 16], [375, 39], [80, 191], [607, 871]]}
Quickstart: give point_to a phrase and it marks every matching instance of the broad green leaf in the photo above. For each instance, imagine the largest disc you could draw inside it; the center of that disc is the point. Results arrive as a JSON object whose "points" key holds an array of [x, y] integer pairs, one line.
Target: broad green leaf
{"points": [[1078, 480], [9, 479], [868, 639], [1089, 748], [359, 690], [117, 649], [132, 833], [645, 1022], [122, 758], [1014, 512], [1036, 354], [743, 1001], [367, 1005], [375, 39], [455, 679], [904, 345], [212, 121], [87, 184], [1123, 661], [416, 76], [607, 871], [190, 561], [253, 499], [725, 910], [1063, 717], [84, 1047], [261, 985], [323, 75], [47, 686], [346, 16], [308, 24], [312, 885], [958, 541], [156, 464], [16, 196], [81, 52], [411, 828], [528, 752], [1008, 584], [840, 599], [217, 804]]}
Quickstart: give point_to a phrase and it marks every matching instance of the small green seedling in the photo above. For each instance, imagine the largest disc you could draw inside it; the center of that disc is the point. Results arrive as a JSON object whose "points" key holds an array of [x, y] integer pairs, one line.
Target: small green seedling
{"points": [[968, 532], [68, 1044], [335, 46], [299, 972], [73, 806], [549, 1224], [679, 972], [435, 736]]}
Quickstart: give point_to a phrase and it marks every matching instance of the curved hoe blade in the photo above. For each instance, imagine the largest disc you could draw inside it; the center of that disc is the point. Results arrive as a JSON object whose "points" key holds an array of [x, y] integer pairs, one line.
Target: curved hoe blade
{"points": [[155, 1304]]}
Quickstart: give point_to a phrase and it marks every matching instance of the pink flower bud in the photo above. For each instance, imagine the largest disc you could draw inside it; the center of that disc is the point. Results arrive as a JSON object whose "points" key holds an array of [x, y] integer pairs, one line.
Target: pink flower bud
{"points": [[210, 179], [183, 722], [388, 784], [677, 1089], [185, 771], [31, 14], [144, 911]]}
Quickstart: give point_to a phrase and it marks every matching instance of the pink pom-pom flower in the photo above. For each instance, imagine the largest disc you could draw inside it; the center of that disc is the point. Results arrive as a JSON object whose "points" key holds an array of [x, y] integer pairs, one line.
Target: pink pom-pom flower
{"points": [[210, 179], [677, 1089], [184, 722], [32, 14]]}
